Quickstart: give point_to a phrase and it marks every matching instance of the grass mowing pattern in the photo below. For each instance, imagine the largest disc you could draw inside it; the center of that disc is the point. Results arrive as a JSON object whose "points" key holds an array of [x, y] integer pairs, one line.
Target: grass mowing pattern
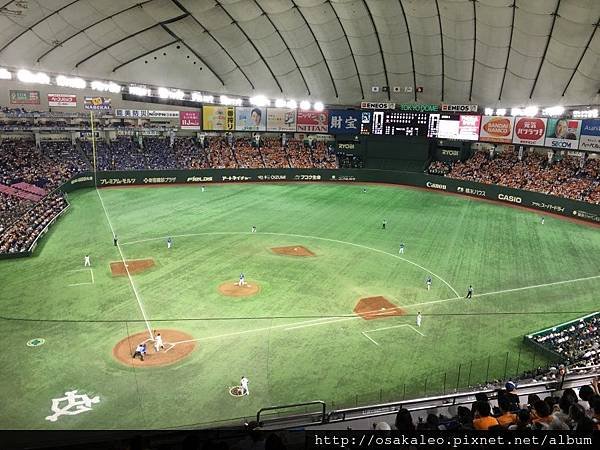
{"points": [[267, 337]]}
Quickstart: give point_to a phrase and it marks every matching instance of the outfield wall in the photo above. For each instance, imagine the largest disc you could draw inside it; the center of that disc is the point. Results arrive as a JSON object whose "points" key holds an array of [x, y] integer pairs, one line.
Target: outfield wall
{"points": [[535, 200]]}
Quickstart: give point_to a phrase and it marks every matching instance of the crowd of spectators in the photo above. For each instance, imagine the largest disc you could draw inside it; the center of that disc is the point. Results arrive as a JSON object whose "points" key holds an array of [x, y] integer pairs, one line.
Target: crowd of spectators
{"points": [[20, 235], [570, 177], [247, 154], [274, 154], [578, 344], [569, 411]]}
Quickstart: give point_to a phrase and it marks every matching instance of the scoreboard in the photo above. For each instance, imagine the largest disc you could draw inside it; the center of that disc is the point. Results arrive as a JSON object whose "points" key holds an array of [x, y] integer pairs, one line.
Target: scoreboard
{"points": [[396, 123]]}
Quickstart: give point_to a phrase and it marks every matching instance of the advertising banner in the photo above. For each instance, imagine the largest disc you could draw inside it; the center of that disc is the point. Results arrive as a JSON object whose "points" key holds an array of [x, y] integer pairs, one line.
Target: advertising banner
{"points": [[529, 131], [63, 100], [343, 121], [143, 113], [419, 107], [563, 133], [497, 129], [450, 126], [312, 122], [250, 118], [189, 120], [459, 108], [24, 97], [377, 105], [590, 135], [281, 119], [218, 118], [96, 103]]}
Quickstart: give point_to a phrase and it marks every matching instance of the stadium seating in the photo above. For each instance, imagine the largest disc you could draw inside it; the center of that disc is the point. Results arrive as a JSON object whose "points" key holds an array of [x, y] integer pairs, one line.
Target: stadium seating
{"points": [[567, 177]]}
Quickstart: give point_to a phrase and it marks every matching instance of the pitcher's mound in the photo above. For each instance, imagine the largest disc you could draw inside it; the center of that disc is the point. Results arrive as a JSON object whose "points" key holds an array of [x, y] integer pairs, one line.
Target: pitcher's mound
{"points": [[231, 289], [370, 308], [293, 250], [134, 265], [123, 351]]}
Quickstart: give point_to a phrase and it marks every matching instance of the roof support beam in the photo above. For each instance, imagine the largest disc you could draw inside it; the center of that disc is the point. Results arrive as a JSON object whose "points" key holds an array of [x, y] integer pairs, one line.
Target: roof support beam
{"points": [[205, 30], [234, 22], [318, 46], [537, 75], [412, 54], [362, 91], [83, 30], [474, 47], [129, 61], [587, 46], [437, 7], [512, 30], [287, 46], [103, 49], [177, 38], [387, 81], [36, 24]]}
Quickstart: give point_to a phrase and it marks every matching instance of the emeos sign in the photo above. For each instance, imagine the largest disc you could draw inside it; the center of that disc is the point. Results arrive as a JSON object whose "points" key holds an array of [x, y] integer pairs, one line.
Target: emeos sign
{"points": [[431, 185], [510, 198]]}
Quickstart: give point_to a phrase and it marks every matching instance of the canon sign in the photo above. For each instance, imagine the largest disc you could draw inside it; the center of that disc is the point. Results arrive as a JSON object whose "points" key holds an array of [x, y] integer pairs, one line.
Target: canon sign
{"points": [[436, 186], [510, 198]]}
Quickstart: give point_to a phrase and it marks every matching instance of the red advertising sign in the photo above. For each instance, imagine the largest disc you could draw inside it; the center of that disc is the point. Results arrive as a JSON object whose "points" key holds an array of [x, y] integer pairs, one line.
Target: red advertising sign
{"points": [[530, 131], [66, 100], [497, 129], [189, 120], [312, 122]]}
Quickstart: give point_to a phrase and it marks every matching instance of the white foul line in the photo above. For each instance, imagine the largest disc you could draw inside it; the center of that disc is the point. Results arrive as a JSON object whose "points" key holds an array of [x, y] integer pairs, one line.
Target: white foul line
{"points": [[78, 284], [370, 338], [395, 326], [304, 237], [92, 272], [135, 292]]}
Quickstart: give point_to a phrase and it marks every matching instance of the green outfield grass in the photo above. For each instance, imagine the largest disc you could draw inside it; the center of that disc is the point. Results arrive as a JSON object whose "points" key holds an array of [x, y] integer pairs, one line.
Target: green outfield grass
{"points": [[297, 340]]}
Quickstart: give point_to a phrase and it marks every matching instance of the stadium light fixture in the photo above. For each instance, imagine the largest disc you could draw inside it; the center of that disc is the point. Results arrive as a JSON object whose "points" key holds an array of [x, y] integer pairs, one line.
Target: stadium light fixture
{"points": [[304, 105], [26, 76], [163, 92], [501, 112], [280, 103], [489, 111], [76, 83], [553, 111], [531, 111], [585, 114], [517, 112], [260, 101], [172, 94], [140, 91], [291, 104], [105, 87], [5, 74], [319, 106], [228, 101]]}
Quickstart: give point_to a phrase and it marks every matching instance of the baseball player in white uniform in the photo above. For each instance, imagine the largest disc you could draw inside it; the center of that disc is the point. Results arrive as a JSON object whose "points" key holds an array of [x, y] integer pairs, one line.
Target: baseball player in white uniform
{"points": [[86, 261], [419, 318], [242, 281], [244, 385], [169, 243], [158, 342]]}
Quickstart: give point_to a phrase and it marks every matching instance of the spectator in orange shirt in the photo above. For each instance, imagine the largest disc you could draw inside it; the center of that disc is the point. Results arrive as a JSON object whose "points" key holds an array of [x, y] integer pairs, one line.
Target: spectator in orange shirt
{"points": [[507, 418], [483, 420]]}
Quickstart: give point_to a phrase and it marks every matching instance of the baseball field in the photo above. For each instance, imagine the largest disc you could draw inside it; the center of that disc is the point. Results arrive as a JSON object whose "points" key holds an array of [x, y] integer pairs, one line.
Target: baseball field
{"points": [[329, 312]]}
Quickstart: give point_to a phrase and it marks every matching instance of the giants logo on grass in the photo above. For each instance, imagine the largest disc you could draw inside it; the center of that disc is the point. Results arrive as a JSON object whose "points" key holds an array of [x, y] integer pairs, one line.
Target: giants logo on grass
{"points": [[510, 198], [530, 131]]}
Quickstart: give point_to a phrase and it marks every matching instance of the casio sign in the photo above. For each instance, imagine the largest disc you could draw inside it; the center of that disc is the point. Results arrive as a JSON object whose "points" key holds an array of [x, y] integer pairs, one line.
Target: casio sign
{"points": [[436, 185], [510, 198]]}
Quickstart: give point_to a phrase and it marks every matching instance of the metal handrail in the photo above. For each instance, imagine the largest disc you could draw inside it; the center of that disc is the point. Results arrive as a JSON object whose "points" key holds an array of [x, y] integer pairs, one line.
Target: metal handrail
{"points": [[293, 405]]}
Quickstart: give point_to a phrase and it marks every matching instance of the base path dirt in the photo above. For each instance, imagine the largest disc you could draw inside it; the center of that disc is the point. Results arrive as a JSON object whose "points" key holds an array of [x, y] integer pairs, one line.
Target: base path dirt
{"points": [[123, 351], [293, 250], [370, 308], [134, 265], [231, 289]]}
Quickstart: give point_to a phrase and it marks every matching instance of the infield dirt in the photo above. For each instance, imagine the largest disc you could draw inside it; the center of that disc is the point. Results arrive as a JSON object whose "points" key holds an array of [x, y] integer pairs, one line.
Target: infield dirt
{"points": [[123, 351]]}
